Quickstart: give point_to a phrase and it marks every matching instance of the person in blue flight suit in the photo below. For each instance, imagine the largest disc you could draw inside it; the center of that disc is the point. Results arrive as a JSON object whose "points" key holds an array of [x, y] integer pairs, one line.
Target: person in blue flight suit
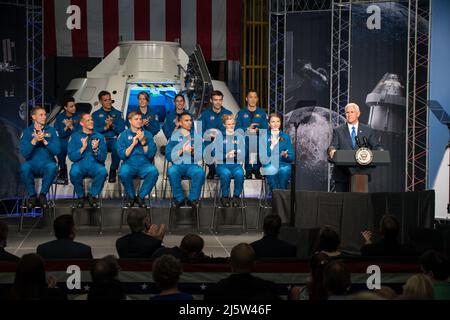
{"points": [[278, 171], [231, 165], [251, 119], [212, 123], [109, 122], [137, 150], [39, 145], [87, 150], [171, 122], [150, 121], [66, 123], [184, 150]]}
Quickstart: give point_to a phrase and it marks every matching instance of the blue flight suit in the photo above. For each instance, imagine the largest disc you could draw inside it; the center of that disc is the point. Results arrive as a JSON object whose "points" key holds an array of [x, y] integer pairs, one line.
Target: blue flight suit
{"points": [[243, 121], [170, 123], [87, 164], [138, 163], [153, 122], [110, 135], [64, 135], [231, 167], [213, 120], [278, 178], [185, 166], [39, 159]]}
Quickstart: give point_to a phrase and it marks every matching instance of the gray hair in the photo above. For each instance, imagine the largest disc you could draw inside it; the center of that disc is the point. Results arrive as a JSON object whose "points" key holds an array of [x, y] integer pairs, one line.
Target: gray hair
{"points": [[136, 220], [352, 105]]}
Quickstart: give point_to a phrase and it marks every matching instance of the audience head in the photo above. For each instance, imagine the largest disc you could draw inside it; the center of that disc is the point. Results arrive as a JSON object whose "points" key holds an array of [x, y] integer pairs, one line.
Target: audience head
{"points": [[137, 221], [435, 265], [317, 265], [105, 285], [389, 227], [336, 278], [418, 287], [242, 258], [386, 293], [366, 295], [329, 240], [4, 229], [166, 272], [192, 245], [272, 225], [64, 227], [30, 280]]}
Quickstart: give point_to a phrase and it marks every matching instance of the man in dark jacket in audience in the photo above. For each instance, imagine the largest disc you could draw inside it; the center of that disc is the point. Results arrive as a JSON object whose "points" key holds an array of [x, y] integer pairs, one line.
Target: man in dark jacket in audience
{"points": [[143, 240], [270, 246], [64, 247], [191, 248], [242, 285], [4, 255]]}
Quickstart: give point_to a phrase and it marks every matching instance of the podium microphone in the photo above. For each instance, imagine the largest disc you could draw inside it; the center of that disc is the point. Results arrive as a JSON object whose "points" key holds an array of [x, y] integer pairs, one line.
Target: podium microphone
{"points": [[366, 144], [358, 143]]}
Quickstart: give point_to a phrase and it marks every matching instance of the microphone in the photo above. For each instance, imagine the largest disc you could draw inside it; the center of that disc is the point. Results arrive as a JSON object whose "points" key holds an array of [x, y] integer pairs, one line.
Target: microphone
{"points": [[358, 143], [366, 144]]}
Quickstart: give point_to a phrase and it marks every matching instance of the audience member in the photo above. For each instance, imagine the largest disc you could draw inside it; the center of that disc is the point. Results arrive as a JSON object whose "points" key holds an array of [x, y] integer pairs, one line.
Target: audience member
{"points": [[437, 267], [166, 274], [4, 255], [30, 282], [386, 293], [418, 287], [329, 242], [64, 247], [191, 249], [336, 280], [143, 240], [105, 283], [270, 246], [242, 285]]}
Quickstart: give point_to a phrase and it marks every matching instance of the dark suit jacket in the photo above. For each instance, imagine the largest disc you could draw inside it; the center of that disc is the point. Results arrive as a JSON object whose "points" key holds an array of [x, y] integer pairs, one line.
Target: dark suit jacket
{"points": [[384, 248], [137, 245], [242, 287], [272, 247], [342, 140], [6, 256], [64, 249]]}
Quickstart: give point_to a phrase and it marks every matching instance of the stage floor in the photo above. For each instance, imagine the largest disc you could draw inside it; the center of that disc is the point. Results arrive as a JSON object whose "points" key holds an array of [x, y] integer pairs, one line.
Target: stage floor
{"points": [[38, 230]]}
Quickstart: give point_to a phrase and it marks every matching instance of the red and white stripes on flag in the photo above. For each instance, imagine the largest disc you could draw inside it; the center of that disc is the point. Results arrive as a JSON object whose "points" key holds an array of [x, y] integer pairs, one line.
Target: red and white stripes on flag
{"points": [[213, 24]]}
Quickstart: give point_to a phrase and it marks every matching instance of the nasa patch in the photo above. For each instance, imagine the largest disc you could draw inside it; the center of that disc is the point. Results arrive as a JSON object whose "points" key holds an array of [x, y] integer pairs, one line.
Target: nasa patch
{"points": [[212, 118], [130, 137], [156, 118], [101, 115], [245, 115]]}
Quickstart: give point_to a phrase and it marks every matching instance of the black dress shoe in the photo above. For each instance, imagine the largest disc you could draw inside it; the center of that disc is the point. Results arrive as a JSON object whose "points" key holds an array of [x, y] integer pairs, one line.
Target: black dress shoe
{"points": [[32, 202], [93, 201], [80, 203], [225, 202], [192, 203], [248, 176], [236, 202], [129, 202], [258, 175], [112, 176], [177, 204], [141, 202], [43, 201]]}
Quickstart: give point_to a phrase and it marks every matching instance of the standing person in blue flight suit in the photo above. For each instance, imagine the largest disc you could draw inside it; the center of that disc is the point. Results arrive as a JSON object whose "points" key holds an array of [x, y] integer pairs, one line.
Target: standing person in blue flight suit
{"points": [[66, 123], [251, 119], [109, 122], [150, 120], [184, 150], [137, 150], [230, 166], [212, 123], [87, 150], [171, 122], [39, 145], [278, 172]]}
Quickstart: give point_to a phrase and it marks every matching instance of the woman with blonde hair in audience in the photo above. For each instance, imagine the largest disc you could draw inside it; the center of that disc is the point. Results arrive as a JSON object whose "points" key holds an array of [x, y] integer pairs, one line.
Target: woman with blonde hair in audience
{"points": [[418, 287]]}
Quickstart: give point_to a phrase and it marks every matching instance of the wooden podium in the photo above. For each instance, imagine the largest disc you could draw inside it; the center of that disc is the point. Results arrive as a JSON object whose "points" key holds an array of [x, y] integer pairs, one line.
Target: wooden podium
{"points": [[359, 174]]}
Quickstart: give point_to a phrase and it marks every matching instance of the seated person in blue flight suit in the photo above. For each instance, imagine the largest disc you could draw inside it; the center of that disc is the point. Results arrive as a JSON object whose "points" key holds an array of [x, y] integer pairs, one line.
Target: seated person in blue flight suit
{"points": [[109, 122], [87, 150], [184, 150], [150, 120], [39, 145], [66, 123], [229, 162], [171, 122], [212, 123], [251, 119], [137, 150], [278, 170]]}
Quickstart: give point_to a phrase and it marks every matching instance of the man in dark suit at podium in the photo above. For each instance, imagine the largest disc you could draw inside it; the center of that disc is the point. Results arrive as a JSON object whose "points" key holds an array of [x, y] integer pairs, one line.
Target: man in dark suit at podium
{"points": [[347, 137]]}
